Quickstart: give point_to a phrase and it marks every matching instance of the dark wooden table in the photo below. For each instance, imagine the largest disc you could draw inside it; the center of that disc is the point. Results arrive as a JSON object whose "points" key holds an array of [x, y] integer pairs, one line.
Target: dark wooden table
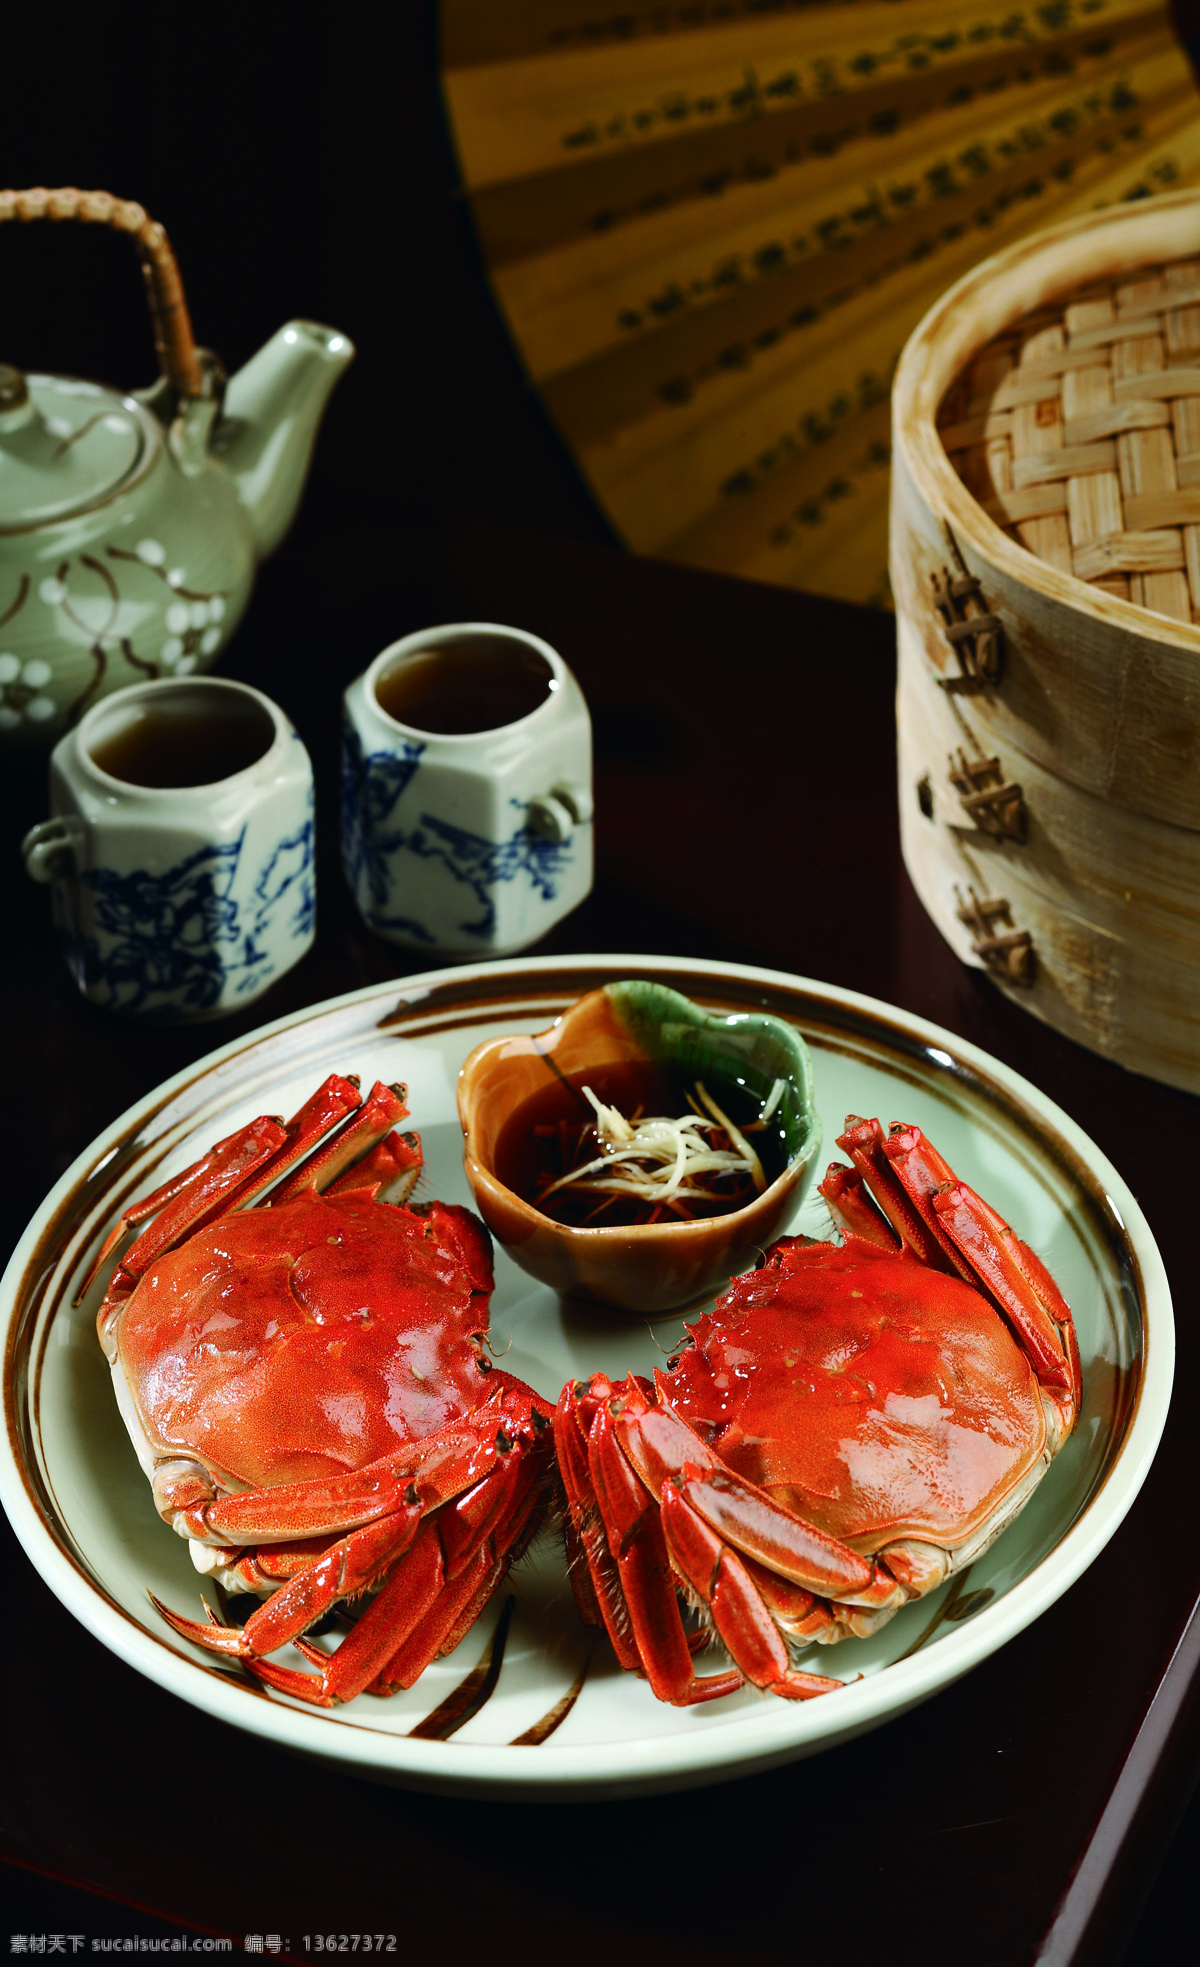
{"points": [[746, 809]]}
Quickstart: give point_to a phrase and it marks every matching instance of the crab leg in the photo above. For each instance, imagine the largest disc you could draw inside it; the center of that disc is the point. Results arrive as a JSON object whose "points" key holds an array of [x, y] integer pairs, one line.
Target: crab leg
{"points": [[260, 1567], [345, 1568], [661, 1446], [233, 1172], [470, 1581], [721, 1580], [417, 1614], [332, 1101], [404, 1598], [201, 1195], [383, 1108], [435, 1571], [793, 1608], [436, 1469], [579, 1572], [947, 1224], [905, 1205], [996, 1258], [669, 1511], [601, 1600], [388, 1173], [480, 1514], [511, 1540], [469, 1578], [243, 1165], [733, 1508], [852, 1209], [446, 1611], [226, 1173], [630, 1567], [1018, 1282], [349, 1567], [635, 1527]]}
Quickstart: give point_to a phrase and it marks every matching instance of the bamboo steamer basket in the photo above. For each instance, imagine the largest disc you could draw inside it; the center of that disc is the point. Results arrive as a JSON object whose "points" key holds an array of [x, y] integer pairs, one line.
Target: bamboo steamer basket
{"points": [[1045, 562]]}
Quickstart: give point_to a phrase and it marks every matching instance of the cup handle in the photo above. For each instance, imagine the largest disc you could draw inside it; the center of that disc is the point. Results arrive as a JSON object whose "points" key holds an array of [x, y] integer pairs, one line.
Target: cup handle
{"points": [[555, 814], [49, 851]]}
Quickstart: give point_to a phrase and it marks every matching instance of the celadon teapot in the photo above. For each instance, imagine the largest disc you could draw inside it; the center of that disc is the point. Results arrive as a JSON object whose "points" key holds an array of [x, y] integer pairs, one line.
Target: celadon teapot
{"points": [[131, 525]]}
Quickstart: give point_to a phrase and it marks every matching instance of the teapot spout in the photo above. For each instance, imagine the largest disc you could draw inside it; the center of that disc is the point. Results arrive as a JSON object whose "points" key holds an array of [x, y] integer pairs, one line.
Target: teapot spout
{"points": [[272, 409]]}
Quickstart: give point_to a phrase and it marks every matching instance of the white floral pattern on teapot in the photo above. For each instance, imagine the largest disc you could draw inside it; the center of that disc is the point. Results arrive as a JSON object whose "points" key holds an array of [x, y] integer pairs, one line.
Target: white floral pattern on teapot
{"points": [[131, 525]]}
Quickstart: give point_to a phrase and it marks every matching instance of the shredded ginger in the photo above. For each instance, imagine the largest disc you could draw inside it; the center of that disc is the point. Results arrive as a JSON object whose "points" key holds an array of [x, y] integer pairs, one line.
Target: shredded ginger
{"points": [[662, 1162]]}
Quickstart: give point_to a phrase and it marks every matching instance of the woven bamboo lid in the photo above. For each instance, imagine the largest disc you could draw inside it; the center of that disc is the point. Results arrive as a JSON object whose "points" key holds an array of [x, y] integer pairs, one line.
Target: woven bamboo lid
{"points": [[1077, 429]]}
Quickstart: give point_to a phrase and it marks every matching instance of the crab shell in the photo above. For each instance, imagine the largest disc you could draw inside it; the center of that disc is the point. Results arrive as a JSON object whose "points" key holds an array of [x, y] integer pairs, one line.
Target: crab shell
{"points": [[282, 1345], [884, 1402]]}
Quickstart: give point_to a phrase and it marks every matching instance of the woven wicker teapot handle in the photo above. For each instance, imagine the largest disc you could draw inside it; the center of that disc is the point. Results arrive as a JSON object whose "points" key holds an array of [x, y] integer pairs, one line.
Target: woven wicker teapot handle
{"points": [[173, 336]]}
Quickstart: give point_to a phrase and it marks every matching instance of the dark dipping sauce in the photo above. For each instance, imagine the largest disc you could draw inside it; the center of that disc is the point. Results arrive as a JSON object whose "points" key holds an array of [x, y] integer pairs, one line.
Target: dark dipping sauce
{"points": [[543, 1129], [475, 683], [193, 741]]}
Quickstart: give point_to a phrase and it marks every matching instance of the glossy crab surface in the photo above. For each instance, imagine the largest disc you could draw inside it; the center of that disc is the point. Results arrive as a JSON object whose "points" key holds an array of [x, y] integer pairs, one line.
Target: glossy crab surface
{"points": [[851, 1423], [303, 1369], [309, 1339], [870, 1394]]}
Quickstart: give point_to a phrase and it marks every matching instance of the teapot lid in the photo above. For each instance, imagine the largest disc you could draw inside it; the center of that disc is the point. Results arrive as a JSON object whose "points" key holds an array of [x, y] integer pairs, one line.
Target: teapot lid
{"points": [[63, 445]]}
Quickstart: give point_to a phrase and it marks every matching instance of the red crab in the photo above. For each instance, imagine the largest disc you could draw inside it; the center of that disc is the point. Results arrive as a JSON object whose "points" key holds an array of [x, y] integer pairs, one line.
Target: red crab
{"points": [[303, 1369], [847, 1426]]}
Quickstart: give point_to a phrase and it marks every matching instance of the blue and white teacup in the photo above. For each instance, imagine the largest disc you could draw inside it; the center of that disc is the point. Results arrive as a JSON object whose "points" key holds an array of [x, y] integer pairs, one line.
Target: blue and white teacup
{"points": [[180, 851], [467, 791]]}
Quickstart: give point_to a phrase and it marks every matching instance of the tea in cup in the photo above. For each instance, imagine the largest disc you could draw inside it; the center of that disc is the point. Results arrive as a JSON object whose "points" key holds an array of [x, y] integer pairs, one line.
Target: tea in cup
{"points": [[180, 851], [467, 802]]}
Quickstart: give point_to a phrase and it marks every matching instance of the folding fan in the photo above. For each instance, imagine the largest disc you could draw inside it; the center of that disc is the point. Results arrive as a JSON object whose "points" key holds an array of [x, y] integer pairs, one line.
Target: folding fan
{"points": [[712, 225]]}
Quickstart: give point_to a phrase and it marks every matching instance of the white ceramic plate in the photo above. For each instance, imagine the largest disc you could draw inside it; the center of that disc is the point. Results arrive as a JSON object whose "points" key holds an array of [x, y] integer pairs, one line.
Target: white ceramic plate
{"points": [[81, 1507]]}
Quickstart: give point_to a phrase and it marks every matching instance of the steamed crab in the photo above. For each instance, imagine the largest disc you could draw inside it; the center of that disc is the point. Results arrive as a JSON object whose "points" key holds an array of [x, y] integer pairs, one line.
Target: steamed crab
{"points": [[303, 1368], [851, 1423]]}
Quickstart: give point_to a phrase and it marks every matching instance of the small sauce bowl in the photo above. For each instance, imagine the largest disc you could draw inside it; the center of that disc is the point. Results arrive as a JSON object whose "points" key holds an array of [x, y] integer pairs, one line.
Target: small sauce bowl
{"points": [[629, 1028]]}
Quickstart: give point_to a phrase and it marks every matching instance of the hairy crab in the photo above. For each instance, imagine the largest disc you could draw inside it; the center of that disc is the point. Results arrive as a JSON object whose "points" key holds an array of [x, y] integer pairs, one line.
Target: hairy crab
{"points": [[303, 1369], [851, 1423]]}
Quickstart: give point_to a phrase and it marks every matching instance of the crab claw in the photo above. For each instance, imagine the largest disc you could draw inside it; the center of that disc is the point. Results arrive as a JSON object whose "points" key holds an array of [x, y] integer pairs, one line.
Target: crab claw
{"points": [[471, 1495], [644, 1495]]}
